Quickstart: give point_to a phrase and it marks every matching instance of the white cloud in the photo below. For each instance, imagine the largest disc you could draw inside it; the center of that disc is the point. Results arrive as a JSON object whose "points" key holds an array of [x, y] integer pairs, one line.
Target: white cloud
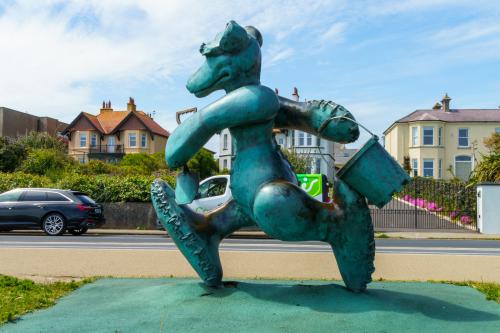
{"points": [[56, 54]]}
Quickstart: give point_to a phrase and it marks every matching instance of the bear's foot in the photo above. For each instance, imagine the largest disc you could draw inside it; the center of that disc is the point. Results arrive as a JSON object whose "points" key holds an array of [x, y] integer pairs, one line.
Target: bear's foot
{"points": [[200, 249], [353, 239]]}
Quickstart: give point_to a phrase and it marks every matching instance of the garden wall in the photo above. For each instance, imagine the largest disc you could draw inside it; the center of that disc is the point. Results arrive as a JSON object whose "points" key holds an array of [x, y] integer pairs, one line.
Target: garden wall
{"points": [[129, 215]]}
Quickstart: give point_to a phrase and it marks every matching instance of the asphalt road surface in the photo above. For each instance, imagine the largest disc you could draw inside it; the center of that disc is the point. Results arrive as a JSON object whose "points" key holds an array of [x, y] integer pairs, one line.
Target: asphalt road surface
{"points": [[160, 242]]}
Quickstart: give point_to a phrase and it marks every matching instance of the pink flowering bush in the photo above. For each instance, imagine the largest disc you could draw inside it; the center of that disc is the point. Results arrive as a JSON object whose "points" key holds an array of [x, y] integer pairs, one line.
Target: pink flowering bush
{"points": [[454, 215], [465, 219]]}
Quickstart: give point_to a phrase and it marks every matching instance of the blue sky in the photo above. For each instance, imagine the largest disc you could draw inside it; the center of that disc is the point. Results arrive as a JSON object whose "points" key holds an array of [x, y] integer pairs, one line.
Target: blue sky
{"points": [[380, 59]]}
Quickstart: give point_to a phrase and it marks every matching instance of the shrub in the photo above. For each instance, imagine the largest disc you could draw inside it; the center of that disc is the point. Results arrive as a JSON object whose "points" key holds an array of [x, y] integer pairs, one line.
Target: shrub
{"points": [[143, 163], [37, 140], [43, 161], [11, 154], [9, 181]]}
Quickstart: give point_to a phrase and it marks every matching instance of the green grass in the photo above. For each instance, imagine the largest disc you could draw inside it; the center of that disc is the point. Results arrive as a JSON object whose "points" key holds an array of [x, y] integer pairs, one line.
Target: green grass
{"points": [[20, 296], [491, 290]]}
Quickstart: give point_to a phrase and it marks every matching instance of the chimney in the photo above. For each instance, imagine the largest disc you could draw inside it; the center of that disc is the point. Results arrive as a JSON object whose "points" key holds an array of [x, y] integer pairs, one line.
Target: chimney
{"points": [[446, 103], [131, 104], [106, 107], [295, 94]]}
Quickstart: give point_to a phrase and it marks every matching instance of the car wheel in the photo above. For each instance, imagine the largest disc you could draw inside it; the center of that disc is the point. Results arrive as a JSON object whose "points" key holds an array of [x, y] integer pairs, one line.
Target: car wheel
{"points": [[54, 224], [78, 232]]}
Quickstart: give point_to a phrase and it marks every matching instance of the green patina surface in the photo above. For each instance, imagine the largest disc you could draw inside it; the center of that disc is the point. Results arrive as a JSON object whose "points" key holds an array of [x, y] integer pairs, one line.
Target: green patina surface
{"points": [[184, 305]]}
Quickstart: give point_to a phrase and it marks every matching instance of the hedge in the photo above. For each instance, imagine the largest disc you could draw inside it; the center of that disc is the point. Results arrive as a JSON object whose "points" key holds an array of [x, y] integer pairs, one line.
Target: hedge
{"points": [[102, 188]]}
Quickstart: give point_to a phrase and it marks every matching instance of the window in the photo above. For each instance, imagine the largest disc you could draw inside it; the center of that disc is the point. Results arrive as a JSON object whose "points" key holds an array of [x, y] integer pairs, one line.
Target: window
{"points": [[53, 196], [83, 139], [309, 139], [463, 137], [463, 167], [440, 136], [144, 140], [414, 136], [34, 196], [132, 140], [497, 130], [428, 168], [428, 136], [84, 198], [224, 164], [212, 188], [93, 140], [280, 141], [440, 168], [414, 167], [318, 165], [300, 138], [224, 142], [318, 141], [10, 196]]}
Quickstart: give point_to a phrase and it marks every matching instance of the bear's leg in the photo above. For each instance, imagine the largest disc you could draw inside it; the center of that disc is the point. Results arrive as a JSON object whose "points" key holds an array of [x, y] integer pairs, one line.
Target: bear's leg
{"points": [[197, 235], [286, 212], [352, 239]]}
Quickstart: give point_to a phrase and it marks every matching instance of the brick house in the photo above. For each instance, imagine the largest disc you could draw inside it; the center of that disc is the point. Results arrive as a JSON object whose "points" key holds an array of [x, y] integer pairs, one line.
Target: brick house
{"points": [[112, 133]]}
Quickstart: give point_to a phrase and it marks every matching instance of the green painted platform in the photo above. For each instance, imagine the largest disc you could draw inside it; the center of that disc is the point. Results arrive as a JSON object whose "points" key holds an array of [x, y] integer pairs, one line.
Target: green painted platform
{"points": [[183, 305]]}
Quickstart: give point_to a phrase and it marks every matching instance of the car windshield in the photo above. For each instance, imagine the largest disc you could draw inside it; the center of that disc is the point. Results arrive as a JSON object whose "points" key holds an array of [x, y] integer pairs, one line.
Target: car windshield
{"points": [[85, 198], [10, 196]]}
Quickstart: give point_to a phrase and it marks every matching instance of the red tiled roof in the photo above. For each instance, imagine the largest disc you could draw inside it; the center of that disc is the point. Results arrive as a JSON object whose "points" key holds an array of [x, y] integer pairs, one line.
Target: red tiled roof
{"points": [[110, 121]]}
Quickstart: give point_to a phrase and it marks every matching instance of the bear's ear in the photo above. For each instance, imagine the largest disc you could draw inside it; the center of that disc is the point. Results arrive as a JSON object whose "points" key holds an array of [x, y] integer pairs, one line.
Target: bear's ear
{"points": [[234, 38], [252, 31]]}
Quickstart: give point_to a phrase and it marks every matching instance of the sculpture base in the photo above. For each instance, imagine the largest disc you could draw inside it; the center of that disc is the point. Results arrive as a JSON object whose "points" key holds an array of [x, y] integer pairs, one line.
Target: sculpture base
{"points": [[184, 305]]}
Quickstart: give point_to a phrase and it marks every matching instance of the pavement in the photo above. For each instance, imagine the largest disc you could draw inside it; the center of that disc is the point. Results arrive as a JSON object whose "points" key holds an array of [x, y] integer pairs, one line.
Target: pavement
{"points": [[163, 243], [184, 305], [67, 257]]}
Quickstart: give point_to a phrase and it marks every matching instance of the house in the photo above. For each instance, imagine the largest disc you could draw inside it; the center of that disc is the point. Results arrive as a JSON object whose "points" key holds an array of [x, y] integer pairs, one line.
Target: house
{"points": [[112, 133], [15, 123], [320, 151], [442, 142]]}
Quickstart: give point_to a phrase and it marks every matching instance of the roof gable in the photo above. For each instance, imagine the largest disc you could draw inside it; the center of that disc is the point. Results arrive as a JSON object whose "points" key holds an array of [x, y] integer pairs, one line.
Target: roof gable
{"points": [[84, 122]]}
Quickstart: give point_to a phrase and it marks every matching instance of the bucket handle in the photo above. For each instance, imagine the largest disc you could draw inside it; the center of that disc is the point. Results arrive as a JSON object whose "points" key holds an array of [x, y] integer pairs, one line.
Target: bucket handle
{"points": [[328, 120]]}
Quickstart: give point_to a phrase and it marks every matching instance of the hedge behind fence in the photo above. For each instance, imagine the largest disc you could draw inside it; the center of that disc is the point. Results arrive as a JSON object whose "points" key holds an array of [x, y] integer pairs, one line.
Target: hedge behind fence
{"points": [[102, 188]]}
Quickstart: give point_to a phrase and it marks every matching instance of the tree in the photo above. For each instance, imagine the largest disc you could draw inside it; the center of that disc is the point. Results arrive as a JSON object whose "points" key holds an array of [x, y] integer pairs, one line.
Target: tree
{"points": [[493, 143], [406, 164], [11, 154], [203, 163], [37, 140], [488, 170], [300, 163]]}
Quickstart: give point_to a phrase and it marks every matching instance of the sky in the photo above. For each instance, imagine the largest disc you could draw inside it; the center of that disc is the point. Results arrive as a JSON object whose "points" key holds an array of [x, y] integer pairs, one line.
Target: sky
{"points": [[379, 59]]}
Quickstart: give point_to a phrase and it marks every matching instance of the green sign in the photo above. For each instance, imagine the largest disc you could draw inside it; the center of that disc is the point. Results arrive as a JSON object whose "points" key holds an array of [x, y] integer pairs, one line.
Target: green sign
{"points": [[312, 184]]}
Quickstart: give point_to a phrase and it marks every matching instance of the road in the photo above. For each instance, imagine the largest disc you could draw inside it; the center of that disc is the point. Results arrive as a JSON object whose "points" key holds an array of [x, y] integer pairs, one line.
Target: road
{"points": [[159, 242]]}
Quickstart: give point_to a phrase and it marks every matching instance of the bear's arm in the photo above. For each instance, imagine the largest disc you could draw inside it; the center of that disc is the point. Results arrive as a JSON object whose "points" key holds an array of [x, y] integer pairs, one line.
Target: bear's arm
{"points": [[318, 118], [244, 106]]}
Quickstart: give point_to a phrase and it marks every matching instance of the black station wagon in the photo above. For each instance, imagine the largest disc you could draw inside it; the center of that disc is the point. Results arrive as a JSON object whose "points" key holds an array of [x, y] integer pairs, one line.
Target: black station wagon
{"points": [[52, 210]]}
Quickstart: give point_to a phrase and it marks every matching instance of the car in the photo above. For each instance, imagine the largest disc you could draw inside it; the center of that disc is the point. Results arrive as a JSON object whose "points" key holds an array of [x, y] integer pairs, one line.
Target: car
{"points": [[215, 191], [52, 210]]}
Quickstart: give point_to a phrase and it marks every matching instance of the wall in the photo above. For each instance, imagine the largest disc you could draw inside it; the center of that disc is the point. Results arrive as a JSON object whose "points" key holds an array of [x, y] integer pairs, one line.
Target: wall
{"points": [[15, 123], [129, 215]]}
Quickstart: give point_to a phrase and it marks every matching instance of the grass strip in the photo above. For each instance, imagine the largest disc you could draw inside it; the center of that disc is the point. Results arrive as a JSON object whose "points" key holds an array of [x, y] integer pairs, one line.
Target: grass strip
{"points": [[19, 296]]}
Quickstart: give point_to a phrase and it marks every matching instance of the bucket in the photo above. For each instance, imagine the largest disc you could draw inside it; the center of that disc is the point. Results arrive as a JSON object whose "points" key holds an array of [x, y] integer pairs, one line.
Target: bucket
{"points": [[374, 173]]}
